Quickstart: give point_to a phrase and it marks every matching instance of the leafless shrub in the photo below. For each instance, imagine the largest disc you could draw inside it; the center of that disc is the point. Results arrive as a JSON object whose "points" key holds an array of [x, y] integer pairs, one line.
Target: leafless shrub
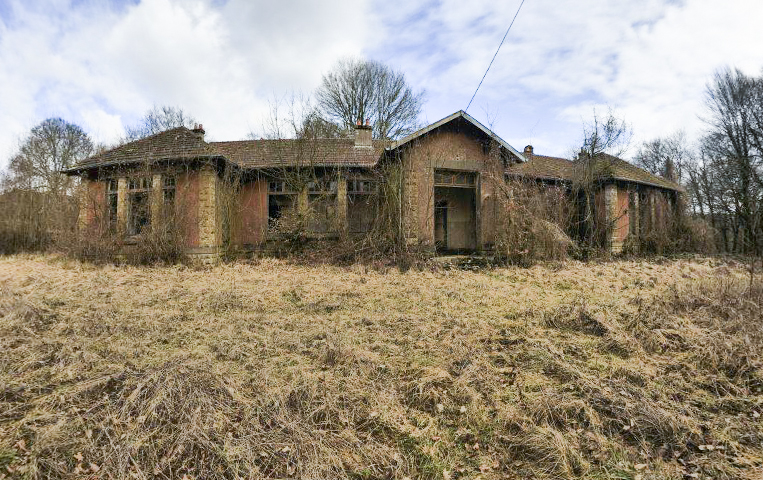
{"points": [[290, 230], [675, 231], [33, 220], [533, 223], [163, 242]]}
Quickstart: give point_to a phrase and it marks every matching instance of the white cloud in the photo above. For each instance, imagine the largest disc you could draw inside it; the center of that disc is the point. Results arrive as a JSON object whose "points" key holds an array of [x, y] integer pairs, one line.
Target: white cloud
{"points": [[103, 65], [650, 60]]}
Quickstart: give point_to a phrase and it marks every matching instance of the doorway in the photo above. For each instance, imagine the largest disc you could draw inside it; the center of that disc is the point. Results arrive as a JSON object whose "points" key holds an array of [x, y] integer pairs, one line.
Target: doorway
{"points": [[441, 225], [455, 225]]}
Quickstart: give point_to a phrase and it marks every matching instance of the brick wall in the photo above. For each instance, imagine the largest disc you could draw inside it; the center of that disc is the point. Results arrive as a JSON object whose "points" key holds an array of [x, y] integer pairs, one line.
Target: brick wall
{"points": [[449, 150], [253, 213], [187, 205], [92, 203]]}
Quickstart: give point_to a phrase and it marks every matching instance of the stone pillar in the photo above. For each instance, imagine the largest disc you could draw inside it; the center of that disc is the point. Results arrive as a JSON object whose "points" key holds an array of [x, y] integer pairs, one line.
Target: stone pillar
{"points": [[122, 205], [610, 217], [157, 198], [208, 209], [418, 200], [341, 205], [634, 216]]}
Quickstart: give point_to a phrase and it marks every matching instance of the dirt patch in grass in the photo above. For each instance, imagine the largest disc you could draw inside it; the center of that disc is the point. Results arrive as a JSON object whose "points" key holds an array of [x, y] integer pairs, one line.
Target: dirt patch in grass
{"points": [[271, 370]]}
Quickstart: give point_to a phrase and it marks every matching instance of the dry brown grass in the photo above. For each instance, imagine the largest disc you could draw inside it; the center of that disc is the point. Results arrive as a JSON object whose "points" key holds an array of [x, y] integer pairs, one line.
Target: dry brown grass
{"points": [[271, 370]]}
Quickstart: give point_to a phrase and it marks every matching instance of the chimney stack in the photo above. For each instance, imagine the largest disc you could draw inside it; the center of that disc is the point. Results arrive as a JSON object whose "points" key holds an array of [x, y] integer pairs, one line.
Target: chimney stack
{"points": [[363, 134], [529, 150], [198, 129]]}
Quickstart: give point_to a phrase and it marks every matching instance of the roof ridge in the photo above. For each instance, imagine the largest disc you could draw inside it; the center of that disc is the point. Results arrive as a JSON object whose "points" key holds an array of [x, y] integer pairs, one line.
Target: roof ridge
{"points": [[453, 116], [133, 142], [340, 139], [181, 127], [550, 156]]}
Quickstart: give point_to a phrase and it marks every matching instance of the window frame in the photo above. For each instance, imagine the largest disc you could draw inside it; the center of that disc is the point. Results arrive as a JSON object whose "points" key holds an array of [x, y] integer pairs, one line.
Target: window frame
{"points": [[112, 203], [138, 187]]}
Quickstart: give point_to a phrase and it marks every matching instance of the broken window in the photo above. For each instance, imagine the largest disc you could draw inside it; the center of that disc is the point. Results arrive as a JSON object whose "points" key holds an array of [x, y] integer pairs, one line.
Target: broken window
{"points": [[112, 200], [168, 190], [447, 178], [322, 187], [139, 204], [281, 198], [361, 204], [360, 186]]}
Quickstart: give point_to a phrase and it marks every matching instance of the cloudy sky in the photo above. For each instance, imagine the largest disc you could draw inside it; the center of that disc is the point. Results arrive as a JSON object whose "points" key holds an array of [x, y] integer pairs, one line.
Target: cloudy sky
{"points": [[103, 64]]}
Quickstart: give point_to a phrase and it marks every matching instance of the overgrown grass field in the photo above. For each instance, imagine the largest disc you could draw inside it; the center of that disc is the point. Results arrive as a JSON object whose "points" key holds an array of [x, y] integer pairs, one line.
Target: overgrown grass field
{"points": [[625, 369]]}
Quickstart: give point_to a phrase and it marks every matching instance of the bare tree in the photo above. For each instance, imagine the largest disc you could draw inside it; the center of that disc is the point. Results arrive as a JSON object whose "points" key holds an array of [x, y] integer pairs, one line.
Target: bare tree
{"points": [[667, 156], [733, 148], [35, 197], [609, 134], [51, 147], [603, 140], [159, 119], [363, 90], [296, 116]]}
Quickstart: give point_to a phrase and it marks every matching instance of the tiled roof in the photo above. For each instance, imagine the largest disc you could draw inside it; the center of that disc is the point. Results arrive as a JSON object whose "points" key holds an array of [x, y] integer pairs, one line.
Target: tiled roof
{"points": [[318, 152], [177, 143], [546, 168], [181, 143], [622, 170], [606, 166]]}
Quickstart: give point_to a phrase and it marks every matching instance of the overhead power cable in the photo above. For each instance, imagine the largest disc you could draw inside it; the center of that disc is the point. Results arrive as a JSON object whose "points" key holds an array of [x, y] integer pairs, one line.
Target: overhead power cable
{"points": [[494, 55]]}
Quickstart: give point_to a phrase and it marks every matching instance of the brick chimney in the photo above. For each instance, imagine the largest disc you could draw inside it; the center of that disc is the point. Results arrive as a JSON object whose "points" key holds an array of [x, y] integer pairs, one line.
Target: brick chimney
{"points": [[363, 134], [529, 150], [198, 129]]}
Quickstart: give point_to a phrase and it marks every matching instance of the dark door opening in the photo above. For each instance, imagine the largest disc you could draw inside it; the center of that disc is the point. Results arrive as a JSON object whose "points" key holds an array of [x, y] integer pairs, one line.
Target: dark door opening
{"points": [[441, 226], [455, 220]]}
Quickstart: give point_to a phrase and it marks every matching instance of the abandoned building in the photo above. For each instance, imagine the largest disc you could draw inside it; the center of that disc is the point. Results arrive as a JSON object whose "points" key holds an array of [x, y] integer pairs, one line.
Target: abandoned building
{"points": [[447, 183]]}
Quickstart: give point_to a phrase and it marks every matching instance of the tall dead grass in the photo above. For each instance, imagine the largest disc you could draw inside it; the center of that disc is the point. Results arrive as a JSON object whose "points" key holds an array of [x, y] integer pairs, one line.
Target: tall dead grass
{"points": [[273, 370]]}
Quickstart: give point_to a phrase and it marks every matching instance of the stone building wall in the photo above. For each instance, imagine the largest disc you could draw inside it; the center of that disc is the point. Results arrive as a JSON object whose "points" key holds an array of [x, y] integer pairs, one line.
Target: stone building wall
{"points": [[456, 151], [208, 206]]}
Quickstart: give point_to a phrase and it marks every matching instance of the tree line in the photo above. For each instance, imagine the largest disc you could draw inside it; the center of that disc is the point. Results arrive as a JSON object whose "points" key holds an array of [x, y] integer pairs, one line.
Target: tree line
{"points": [[723, 172]]}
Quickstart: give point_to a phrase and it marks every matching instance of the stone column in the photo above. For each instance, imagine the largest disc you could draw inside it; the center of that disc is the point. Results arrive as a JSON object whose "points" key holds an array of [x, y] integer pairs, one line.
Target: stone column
{"points": [[610, 217], [410, 196], [208, 208], [157, 198], [341, 205], [122, 205]]}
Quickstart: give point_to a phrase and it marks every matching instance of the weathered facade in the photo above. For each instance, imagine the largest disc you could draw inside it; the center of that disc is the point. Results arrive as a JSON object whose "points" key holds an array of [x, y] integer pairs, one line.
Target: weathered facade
{"points": [[446, 185], [630, 203]]}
